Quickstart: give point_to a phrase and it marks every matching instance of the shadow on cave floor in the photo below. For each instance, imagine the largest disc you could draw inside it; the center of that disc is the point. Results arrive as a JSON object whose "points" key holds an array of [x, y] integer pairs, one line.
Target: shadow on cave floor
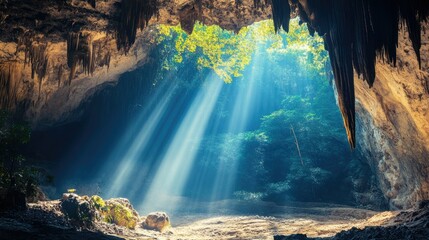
{"points": [[48, 232]]}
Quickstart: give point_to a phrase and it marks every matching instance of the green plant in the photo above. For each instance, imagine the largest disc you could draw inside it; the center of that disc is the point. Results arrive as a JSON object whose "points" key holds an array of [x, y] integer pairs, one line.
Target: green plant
{"points": [[15, 177], [118, 214], [114, 212], [228, 54], [98, 203], [71, 190]]}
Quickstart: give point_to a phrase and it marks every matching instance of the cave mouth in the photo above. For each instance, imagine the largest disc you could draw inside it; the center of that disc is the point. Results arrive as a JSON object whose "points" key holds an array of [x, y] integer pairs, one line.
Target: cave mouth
{"points": [[215, 123]]}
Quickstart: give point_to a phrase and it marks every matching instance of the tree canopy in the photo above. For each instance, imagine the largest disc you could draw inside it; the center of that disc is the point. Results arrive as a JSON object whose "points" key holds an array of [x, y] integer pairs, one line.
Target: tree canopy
{"points": [[228, 53]]}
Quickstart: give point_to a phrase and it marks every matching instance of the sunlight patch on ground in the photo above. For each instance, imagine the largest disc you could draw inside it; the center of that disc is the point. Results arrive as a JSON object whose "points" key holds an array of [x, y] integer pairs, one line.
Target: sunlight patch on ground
{"points": [[262, 227], [259, 227]]}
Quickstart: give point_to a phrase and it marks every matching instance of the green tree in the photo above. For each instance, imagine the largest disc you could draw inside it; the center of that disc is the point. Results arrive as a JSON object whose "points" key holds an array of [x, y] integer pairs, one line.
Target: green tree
{"points": [[16, 180], [228, 53]]}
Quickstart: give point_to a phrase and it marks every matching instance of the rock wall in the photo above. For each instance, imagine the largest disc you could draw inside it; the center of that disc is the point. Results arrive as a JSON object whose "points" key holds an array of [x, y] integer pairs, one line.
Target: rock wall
{"points": [[49, 101], [393, 125]]}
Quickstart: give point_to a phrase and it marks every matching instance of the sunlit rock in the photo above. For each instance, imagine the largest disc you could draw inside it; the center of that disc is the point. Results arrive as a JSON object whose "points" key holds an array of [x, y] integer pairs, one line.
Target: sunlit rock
{"points": [[119, 211], [157, 221]]}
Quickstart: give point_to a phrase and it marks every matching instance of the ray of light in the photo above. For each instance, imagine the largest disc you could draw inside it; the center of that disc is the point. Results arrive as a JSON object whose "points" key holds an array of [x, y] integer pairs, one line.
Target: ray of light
{"points": [[243, 103], [173, 172], [136, 140]]}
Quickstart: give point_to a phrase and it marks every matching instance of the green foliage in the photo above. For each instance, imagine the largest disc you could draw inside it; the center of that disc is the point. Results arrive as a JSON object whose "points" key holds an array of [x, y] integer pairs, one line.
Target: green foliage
{"points": [[14, 175], [120, 215], [114, 212], [98, 203], [228, 54], [295, 68], [71, 190], [269, 164]]}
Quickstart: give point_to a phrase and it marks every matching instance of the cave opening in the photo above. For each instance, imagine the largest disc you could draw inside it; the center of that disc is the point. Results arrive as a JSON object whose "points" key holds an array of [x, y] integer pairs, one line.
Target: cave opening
{"points": [[216, 123], [198, 119]]}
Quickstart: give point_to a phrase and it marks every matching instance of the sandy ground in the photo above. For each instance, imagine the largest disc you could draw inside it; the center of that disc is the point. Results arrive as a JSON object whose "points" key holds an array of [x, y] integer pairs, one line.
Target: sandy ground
{"points": [[264, 220], [259, 227]]}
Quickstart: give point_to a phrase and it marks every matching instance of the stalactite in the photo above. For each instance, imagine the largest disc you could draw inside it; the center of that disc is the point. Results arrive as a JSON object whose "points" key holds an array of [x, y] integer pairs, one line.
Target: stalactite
{"points": [[35, 54], [134, 15], [60, 74], [281, 14], [355, 32], [412, 19], [72, 48], [10, 80], [80, 52], [339, 44], [101, 53], [188, 15], [105, 61], [39, 62]]}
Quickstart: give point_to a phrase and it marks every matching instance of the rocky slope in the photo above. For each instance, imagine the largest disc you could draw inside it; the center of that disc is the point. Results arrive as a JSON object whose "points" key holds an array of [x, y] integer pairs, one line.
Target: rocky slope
{"points": [[406, 225]]}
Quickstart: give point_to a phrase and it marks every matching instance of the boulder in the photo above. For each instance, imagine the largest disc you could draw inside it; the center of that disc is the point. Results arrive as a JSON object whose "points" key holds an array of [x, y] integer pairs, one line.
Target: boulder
{"points": [[119, 211], [157, 221], [39, 195], [78, 209], [126, 203]]}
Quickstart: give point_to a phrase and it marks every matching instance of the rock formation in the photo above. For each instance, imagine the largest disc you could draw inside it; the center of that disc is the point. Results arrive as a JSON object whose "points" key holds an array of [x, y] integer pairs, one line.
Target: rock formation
{"points": [[157, 221]]}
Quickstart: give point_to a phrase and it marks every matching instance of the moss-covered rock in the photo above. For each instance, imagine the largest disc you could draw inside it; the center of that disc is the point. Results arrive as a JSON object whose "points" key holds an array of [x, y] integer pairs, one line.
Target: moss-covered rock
{"points": [[84, 210], [118, 211], [119, 214], [98, 203]]}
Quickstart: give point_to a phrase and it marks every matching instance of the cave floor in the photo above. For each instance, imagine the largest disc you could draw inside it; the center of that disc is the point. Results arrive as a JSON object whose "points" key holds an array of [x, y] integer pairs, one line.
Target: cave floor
{"points": [[45, 221], [233, 219], [262, 227]]}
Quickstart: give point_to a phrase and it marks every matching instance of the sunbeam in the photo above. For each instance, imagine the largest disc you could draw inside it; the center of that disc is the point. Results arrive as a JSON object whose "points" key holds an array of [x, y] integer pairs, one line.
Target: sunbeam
{"points": [[177, 162], [141, 141], [243, 102]]}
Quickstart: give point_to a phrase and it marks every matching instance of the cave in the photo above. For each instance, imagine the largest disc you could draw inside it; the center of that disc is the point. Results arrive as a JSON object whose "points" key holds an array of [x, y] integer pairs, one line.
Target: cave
{"points": [[222, 119]]}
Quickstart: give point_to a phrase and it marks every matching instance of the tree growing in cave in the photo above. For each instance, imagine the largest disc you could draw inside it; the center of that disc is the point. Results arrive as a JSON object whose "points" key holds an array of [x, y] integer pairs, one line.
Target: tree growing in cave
{"points": [[16, 180]]}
